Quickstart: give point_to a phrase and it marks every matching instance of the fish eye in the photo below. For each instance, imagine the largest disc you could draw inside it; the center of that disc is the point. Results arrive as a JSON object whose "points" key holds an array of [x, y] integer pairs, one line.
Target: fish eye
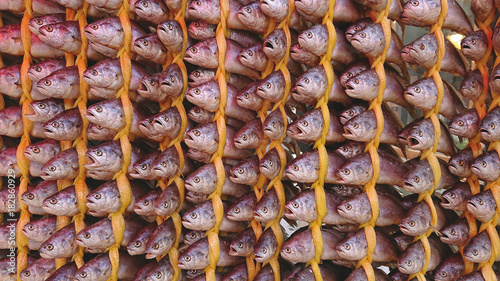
{"points": [[345, 149], [196, 24], [31, 227], [187, 258], [55, 124], [27, 273], [473, 41], [409, 263], [475, 252], [164, 164], [156, 246], [97, 196], [39, 21], [417, 90], [87, 235], [240, 245], [355, 125], [460, 123], [473, 84], [452, 232], [306, 80], [194, 50], [492, 126], [348, 207], [49, 247], [295, 204], [94, 26], [144, 167], [197, 3], [250, 53], [288, 250], [158, 275], [170, 27], [244, 137], [83, 274], [356, 81], [152, 82], [172, 79], [412, 223], [480, 201], [347, 246], [264, 210], [276, 40], [273, 124], [193, 235], [98, 152], [30, 196], [98, 108], [443, 274], [35, 149], [270, 163], [309, 35], [264, 250], [346, 171], [144, 42], [197, 133], [304, 123], [196, 180], [350, 113], [52, 168], [165, 205], [240, 170], [193, 215], [362, 35], [47, 82], [236, 210], [461, 162], [422, 46], [416, 179], [38, 69], [53, 201], [42, 105], [197, 110], [484, 164], [295, 167], [248, 9], [268, 85], [49, 29], [94, 72], [146, 202], [196, 73], [420, 133], [99, 127], [196, 91], [145, 3], [415, 3]]}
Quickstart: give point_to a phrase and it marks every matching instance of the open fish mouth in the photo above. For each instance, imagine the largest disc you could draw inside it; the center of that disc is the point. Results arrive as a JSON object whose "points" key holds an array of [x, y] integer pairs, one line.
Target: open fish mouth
{"points": [[413, 141], [269, 45], [91, 161], [295, 130], [445, 202]]}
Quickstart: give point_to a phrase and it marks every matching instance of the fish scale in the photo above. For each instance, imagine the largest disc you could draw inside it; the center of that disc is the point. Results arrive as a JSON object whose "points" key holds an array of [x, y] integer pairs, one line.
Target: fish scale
{"points": [[274, 131]]}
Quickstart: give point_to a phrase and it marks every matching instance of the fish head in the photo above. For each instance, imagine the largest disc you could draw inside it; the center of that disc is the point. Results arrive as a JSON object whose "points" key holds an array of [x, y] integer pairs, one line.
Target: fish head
{"points": [[250, 13], [415, 11], [275, 8], [103, 197], [101, 75], [92, 272], [104, 155], [149, 8], [355, 27], [454, 234], [10, 39], [206, 95], [465, 124], [362, 85], [36, 23], [242, 210], [270, 164], [56, 34], [203, 53], [422, 93], [253, 57], [478, 249], [422, 51], [352, 71], [474, 45], [487, 166], [489, 128], [95, 235], [43, 151], [203, 179], [274, 125], [454, 197], [351, 149], [170, 31], [56, 169], [302, 207], [204, 138], [196, 197], [303, 169], [354, 171], [272, 87], [201, 30], [414, 224], [459, 164], [351, 112], [62, 202], [200, 76], [200, 218], [106, 114], [160, 244], [149, 46], [313, 37], [354, 210], [163, 272], [360, 127], [482, 205], [245, 172], [204, 9], [150, 85], [419, 179], [266, 247], [268, 207], [411, 261], [247, 139], [168, 121], [63, 126], [168, 202], [274, 45], [368, 40], [200, 115], [103, 30], [10, 78], [312, 81], [195, 257], [350, 249], [472, 86], [145, 205], [421, 137], [98, 132], [143, 169], [192, 236]]}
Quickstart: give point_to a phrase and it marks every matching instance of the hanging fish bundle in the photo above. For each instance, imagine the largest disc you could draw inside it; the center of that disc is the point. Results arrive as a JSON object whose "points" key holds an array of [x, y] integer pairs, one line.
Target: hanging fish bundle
{"points": [[240, 140]]}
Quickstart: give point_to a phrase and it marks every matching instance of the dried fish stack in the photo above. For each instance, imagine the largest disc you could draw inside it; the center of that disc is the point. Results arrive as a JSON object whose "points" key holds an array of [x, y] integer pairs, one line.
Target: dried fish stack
{"points": [[247, 140]]}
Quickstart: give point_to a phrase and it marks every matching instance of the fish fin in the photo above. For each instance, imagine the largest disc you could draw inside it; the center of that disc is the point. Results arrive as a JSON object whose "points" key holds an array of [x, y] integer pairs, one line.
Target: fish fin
{"points": [[290, 222], [152, 29]]}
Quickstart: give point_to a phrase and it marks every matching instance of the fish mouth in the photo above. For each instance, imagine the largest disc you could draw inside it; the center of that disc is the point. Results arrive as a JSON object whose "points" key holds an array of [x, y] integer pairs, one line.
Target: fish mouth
{"points": [[466, 46], [268, 44], [445, 202], [288, 212], [349, 86], [348, 133], [484, 130], [143, 87], [475, 168], [413, 141], [294, 130], [452, 165], [264, 166], [91, 161], [187, 56], [232, 251], [404, 229], [32, 111]]}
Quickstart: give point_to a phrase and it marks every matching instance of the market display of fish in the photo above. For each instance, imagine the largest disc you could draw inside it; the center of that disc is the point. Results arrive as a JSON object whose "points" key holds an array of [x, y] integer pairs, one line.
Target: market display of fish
{"points": [[249, 140]]}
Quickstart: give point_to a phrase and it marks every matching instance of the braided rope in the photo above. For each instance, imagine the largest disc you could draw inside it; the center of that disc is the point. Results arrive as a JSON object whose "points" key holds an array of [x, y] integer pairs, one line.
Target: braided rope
{"points": [[177, 179], [318, 186], [80, 143], [213, 238], [429, 154], [2, 106], [22, 161], [122, 181]]}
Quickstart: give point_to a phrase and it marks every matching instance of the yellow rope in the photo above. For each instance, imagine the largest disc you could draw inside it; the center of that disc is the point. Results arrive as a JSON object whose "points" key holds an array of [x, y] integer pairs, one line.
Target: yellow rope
{"points": [[122, 181], [318, 186], [213, 234], [22, 161], [80, 143]]}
